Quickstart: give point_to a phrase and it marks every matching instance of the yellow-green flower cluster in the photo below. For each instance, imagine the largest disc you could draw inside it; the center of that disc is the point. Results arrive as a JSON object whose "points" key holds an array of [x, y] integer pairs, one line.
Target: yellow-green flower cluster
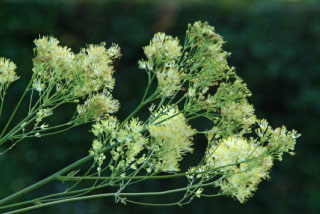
{"points": [[239, 112], [278, 140], [236, 160], [102, 130], [43, 113], [243, 162], [163, 48], [7, 72], [98, 105], [245, 179], [52, 60], [163, 54], [214, 91], [206, 62], [194, 81], [169, 79], [95, 70], [130, 139], [171, 139], [132, 143], [61, 74]]}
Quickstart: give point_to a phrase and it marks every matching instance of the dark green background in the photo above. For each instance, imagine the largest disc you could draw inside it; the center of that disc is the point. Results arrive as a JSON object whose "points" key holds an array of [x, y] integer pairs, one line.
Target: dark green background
{"points": [[275, 47]]}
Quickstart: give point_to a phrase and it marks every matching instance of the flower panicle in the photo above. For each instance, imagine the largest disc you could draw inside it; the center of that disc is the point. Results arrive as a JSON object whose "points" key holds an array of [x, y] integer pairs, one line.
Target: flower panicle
{"points": [[171, 137], [195, 81], [87, 75]]}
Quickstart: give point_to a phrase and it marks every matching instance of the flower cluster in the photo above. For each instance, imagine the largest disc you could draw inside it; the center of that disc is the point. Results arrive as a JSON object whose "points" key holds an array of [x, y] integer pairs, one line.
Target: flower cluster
{"points": [[240, 148], [169, 79], [163, 48], [60, 77], [171, 139], [278, 140], [61, 74], [241, 113], [193, 82], [98, 105], [205, 64], [7, 72], [102, 130], [41, 114], [213, 90], [129, 139], [95, 70], [163, 54], [242, 162]]}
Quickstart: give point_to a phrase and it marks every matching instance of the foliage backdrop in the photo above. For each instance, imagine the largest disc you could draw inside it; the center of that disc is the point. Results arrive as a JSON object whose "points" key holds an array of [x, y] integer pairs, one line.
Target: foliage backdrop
{"points": [[275, 47]]}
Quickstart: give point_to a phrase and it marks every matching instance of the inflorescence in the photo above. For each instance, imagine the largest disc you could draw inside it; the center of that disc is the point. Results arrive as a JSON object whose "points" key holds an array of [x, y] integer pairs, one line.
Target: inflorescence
{"points": [[193, 81]]}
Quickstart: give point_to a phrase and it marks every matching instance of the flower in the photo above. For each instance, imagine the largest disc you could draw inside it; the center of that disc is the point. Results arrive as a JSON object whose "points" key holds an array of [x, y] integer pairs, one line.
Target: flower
{"points": [[171, 138], [7, 71], [243, 163], [169, 80], [163, 48]]}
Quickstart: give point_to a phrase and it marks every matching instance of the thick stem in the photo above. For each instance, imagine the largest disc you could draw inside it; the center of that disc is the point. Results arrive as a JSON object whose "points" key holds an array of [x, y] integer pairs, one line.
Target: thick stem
{"points": [[46, 180], [52, 177]]}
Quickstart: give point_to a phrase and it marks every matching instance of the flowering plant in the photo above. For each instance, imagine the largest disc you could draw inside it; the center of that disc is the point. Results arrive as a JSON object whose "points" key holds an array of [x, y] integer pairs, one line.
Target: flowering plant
{"points": [[193, 81]]}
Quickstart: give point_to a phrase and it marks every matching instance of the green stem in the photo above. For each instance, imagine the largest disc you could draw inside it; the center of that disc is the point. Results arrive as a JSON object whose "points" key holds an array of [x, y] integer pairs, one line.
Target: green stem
{"points": [[10, 147], [57, 202], [17, 128], [3, 94], [46, 180], [16, 108], [104, 195], [59, 131], [68, 178], [30, 101], [30, 133], [150, 204], [47, 197], [148, 87], [140, 106]]}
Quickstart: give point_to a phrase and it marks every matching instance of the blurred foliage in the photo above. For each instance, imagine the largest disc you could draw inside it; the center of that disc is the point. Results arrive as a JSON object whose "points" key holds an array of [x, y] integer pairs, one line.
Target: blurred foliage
{"points": [[275, 47]]}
